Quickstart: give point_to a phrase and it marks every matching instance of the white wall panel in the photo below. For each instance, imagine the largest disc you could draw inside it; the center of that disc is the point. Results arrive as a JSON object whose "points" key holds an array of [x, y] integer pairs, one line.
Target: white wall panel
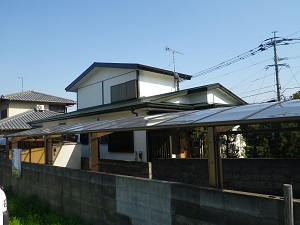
{"points": [[69, 156], [154, 84], [90, 96]]}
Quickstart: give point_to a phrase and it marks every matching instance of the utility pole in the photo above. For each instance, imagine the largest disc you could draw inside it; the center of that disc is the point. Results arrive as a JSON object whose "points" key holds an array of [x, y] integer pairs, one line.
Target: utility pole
{"points": [[276, 68]]}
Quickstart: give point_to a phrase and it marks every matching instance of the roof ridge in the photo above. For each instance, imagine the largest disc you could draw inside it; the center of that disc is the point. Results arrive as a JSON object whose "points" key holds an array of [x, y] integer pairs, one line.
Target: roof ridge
{"points": [[35, 96]]}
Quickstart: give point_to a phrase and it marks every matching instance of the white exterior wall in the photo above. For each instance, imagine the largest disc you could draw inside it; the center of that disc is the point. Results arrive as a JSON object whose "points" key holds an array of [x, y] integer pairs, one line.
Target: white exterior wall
{"points": [[90, 92], [217, 96], [190, 99], [154, 84], [20, 107], [140, 143], [69, 156], [90, 96]]}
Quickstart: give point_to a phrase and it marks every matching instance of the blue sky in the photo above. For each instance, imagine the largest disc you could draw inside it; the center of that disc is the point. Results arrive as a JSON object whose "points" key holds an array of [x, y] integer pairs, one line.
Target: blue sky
{"points": [[50, 43]]}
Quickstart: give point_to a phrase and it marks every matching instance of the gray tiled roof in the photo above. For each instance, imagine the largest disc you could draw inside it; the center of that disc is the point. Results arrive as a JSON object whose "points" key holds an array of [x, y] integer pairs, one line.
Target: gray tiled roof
{"points": [[20, 121], [36, 97]]}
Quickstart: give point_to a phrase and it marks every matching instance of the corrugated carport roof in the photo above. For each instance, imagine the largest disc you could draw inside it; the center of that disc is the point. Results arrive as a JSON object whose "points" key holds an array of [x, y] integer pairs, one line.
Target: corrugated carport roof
{"points": [[288, 111]]}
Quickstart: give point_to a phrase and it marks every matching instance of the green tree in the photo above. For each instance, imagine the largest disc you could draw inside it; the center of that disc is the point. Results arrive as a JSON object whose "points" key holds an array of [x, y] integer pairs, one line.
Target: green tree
{"points": [[196, 142], [228, 146], [272, 144], [296, 95]]}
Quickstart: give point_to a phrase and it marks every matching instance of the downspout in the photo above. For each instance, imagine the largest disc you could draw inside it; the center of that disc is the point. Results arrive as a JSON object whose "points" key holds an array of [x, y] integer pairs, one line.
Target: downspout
{"points": [[133, 112], [135, 152], [137, 83]]}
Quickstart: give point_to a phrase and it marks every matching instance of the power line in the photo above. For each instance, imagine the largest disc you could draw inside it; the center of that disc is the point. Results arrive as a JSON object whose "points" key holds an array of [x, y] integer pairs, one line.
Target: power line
{"points": [[258, 94], [222, 75], [260, 86], [266, 44], [257, 89], [230, 61], [240, 83]]}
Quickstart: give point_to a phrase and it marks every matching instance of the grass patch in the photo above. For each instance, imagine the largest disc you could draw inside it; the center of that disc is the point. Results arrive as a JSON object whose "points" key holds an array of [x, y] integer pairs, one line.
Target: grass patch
{"points": [[32, 211]]}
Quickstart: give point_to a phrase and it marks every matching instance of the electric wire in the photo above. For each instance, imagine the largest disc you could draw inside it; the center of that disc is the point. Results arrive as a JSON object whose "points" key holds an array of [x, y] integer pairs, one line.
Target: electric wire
{"points": [[292, 78], [240, 83], [222, 75], [251, 82], [260, 86], [258, 89], [219, 53], [266, 44], [230, 61], [258, 94]]}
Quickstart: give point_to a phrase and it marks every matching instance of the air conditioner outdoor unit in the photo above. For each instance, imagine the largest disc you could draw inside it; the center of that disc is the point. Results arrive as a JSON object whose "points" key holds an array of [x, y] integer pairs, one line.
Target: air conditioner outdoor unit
{"points": [[40, 107]]}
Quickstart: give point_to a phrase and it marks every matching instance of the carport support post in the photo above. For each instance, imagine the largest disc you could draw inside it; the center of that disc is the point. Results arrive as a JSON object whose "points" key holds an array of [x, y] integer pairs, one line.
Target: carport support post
{"points": [[7, 148], [14, 143], [94, 151], [48, 150], [214, 159]]}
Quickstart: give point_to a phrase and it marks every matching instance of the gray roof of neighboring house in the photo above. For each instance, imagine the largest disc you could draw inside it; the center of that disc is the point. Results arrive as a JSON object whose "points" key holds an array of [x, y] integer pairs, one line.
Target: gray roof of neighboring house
{"points": [[34, 96], [20, 121], [133, 66], [157, 101]]}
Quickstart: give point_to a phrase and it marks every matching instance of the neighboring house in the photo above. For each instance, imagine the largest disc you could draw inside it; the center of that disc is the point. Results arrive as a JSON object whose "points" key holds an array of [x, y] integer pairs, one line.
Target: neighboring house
{"points": [[19, 109], [13, 104], [107, 91]]}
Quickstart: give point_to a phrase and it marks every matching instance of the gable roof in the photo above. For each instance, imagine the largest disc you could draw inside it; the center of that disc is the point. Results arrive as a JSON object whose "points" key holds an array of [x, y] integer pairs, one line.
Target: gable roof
{"points": [[33, 96], [155, 102], [20, 121], [133, 66]]}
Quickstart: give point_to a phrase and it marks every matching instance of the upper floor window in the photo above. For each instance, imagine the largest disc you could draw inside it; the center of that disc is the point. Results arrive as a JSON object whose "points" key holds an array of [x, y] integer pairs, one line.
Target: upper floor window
{"points": [[3, 113], [124, 91], [57, 108]]}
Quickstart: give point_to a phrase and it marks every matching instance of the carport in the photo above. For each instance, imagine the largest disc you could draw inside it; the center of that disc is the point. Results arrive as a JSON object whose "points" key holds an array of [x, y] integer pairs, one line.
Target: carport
{"points": [[217, 121]]}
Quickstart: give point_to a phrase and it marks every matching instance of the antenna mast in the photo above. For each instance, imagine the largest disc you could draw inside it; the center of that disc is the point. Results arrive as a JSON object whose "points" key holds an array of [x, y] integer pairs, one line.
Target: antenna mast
{"points": [[176, 77], [22, 78]]}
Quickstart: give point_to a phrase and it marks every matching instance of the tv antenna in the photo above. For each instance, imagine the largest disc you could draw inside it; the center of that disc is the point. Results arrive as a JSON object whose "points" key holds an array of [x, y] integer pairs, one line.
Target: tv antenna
{"points": [[176, 76], [22, 78]]}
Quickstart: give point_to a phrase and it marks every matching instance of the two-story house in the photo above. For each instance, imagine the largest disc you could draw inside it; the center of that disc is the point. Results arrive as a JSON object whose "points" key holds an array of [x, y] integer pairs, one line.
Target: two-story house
{"points": [[108, 91], [19, 109]]}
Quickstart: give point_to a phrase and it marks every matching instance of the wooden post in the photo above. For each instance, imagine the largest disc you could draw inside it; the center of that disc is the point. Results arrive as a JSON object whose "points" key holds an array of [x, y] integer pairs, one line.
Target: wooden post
{"points": [[48, 150], [288, 204], [94, 155], [7, 148], [94, 150], [212, 173], [214, 160]]}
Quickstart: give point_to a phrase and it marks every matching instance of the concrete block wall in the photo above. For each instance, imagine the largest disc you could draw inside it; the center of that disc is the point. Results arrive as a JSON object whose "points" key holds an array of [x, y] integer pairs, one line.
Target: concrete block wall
{"points": [[88, 195], [264, 176], [99, 198], [130, 168], [144, 201], [188, 171]]}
